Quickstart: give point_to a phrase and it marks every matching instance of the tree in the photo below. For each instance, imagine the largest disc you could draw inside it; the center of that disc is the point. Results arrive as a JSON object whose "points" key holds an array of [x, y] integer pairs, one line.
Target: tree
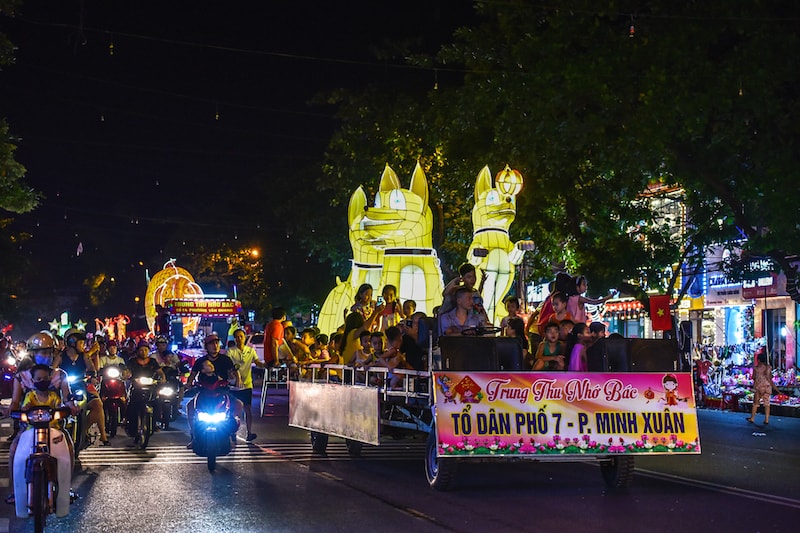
{"points": [[598, 103], [15, 196]]}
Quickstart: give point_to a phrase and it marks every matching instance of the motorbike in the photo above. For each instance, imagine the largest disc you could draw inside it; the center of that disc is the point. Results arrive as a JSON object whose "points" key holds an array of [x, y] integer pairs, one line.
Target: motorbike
{"points": [[113, 395], [42, 478], [214, 424], [140, 414], [168, 398], [9, 369], [76, 424]]}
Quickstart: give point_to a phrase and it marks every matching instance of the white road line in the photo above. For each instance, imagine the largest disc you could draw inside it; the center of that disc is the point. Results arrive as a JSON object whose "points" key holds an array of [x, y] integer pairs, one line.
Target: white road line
{"points": [[725, 489], [261, 453]]}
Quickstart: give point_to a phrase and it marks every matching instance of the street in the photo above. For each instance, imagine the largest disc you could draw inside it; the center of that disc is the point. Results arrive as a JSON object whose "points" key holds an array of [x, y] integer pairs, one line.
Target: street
{"points": [[742, 482]]}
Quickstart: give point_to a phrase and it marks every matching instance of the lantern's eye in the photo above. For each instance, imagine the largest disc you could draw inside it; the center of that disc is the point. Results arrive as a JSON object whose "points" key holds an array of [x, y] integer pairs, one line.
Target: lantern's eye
{"points": [[493, 198], [378, 201], [397, 200]]}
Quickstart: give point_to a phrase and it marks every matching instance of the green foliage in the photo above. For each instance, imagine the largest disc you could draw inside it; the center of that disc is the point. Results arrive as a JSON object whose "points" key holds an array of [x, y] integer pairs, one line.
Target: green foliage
{"points": [[14, 195], [700, 96]]}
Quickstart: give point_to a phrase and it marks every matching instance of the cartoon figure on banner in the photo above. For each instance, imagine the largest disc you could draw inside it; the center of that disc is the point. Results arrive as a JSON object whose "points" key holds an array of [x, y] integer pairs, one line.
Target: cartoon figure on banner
{"points": [[446, 386], [468, 391], [670, 398], [492, 252], [392, 244]]}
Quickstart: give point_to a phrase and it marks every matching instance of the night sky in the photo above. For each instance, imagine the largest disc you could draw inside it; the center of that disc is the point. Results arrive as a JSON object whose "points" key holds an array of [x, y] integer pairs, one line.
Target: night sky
{"points": [[200, 104]]}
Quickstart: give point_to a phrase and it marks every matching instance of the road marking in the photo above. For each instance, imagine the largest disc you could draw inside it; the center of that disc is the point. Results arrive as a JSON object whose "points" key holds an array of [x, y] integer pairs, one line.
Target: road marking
{"points": [[725, 489], [4, 525], [262, 453]]}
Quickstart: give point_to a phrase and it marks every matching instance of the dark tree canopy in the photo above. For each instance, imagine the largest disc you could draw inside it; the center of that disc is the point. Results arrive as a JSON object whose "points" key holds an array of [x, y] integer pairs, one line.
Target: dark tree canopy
{"points": [[596, 103]]}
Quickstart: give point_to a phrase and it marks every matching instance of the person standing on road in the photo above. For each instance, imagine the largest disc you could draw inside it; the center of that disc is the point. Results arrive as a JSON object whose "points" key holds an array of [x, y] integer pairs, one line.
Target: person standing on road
{"points": [[273, 337], [244, 357], [762, 386]]}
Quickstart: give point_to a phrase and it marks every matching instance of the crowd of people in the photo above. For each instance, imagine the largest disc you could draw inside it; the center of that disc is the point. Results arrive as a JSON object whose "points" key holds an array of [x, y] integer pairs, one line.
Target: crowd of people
{"points": [[385, 332]]}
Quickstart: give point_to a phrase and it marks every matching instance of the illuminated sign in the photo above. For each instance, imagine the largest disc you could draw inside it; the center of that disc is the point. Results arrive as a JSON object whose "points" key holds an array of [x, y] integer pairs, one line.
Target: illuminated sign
{"points": [[565, 413], [203, 307]]}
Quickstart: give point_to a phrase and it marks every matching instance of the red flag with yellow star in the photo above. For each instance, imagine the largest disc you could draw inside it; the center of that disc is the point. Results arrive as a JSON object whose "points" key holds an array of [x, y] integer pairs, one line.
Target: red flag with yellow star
{"points": [[659, 312]]}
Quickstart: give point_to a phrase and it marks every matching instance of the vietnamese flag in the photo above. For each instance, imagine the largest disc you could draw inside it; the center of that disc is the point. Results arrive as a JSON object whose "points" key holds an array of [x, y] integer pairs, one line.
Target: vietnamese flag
{"points": [[660, 313]]}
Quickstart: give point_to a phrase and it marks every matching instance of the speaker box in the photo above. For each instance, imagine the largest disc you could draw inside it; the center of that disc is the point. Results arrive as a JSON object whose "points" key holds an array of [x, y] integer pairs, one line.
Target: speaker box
{"points": [[653, 355]]}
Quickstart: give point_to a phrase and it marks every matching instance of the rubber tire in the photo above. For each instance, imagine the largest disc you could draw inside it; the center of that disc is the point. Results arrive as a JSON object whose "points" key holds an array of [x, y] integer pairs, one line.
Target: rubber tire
{"points": [[354, 448], [440, 472], [145, 427], [41, 505], [112, 422], [617, 472], [212, 462], [319, 442]]}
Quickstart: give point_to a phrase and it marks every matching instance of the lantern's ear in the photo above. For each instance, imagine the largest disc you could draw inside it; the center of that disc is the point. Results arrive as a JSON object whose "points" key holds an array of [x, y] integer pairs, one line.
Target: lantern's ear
{"points": [[358, 201], [389, 180], [484, 182], [419, 184]]}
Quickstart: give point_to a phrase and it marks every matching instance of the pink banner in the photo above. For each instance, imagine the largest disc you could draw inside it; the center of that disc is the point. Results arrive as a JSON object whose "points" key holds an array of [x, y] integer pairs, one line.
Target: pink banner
{"points": [[567, 413]]}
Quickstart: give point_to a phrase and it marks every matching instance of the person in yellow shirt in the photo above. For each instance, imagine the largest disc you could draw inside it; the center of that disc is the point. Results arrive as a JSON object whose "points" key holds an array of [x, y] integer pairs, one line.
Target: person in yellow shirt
{"points": [[244, 357], [42, 395]]}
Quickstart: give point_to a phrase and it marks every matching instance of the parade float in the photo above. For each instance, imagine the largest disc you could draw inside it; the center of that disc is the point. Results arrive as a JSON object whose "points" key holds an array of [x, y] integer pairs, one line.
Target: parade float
{"points": [[392, 244]]}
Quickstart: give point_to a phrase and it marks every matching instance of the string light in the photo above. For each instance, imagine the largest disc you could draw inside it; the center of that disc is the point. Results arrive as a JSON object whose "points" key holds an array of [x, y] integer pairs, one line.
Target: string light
{"points": [[632, 30], [111, 46], [216, 112]]}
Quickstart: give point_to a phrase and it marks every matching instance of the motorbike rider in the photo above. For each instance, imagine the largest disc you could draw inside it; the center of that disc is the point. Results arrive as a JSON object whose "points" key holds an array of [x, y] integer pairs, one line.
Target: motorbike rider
{"points": [[142, 366], [224, 368], [243, 358], [76, 361], [113, 358], [41, 350], [173, 365]]}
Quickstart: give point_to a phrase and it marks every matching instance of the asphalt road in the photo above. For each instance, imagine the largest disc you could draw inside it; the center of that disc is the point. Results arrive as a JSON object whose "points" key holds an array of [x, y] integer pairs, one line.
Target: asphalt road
{"points": [[741, 482]]}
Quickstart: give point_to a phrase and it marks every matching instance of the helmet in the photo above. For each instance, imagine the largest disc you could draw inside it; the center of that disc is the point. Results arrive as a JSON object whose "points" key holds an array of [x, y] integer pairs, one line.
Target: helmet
{"points": [[211, 338], [41, 341], [72, 336], [161, 338], [111, 343], [143, 344]]}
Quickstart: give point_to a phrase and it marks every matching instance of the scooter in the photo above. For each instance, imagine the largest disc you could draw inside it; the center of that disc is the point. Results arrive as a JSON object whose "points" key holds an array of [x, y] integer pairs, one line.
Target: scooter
{"points": [[42, 478], [113, 395], [140, 413], [76, 424], [214, 424], [168, 398], [9, 368]]}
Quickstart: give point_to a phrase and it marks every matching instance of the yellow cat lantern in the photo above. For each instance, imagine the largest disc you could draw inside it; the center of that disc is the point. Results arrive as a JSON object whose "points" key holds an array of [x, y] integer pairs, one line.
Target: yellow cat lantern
{"points": [[366, 267], [392, 244], [492, 251], [402, 223]]}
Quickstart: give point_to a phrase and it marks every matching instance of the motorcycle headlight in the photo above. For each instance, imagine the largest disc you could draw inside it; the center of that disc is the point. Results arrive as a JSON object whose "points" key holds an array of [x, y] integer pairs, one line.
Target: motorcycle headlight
{"points": [[78, 393], [166, 391], [112, 372], [145, 381], [212, 418], [72, 378], [11, 360]]}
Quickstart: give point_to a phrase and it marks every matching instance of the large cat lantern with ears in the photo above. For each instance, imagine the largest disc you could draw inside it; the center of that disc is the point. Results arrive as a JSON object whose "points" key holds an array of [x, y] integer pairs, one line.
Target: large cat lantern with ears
{"points": [[392, 244], [492, 252]]}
